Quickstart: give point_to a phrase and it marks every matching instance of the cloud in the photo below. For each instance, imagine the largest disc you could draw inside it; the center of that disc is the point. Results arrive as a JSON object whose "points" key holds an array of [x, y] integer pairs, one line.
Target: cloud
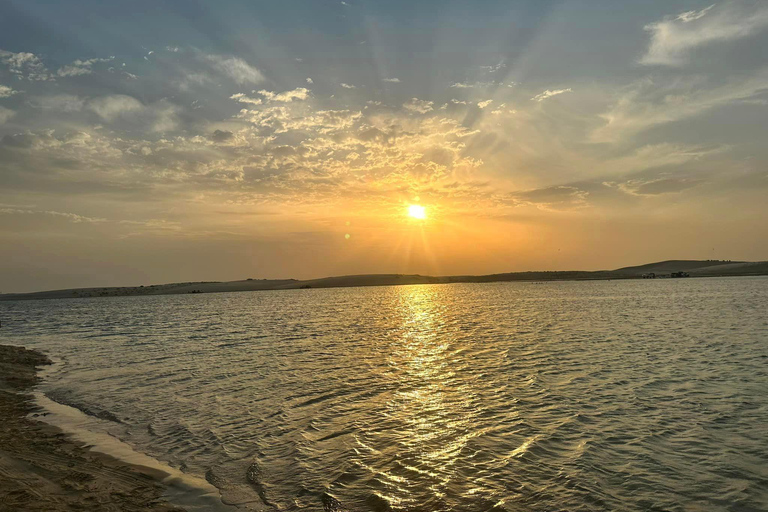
{"points": [[163, 116], [72, 217], [638, 187], [648, 103], [292, 116], [5, 114], [553, 198], [24, 65], [417, 105], [297, 94], [283, 97], [236, 68], [289, 149], [483, 104], [495, 68], [472, 85], [194, 78], [348, 86], [673, 38], [221, 135], [548, 94], [80, 67], [501, 110], [310, 81], [111, 107], [19, 60], [688, 16], [242, 98], [7, 92], [391, 80]]}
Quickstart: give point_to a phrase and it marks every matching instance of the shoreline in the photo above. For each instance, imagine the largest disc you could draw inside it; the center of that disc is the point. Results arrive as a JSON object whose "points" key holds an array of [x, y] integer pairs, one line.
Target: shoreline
{"points": [[46, 466], [661, 271]]}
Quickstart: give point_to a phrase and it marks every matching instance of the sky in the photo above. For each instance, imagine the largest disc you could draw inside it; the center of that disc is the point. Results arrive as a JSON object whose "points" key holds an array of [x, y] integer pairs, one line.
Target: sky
{"points": [[160, 141]]}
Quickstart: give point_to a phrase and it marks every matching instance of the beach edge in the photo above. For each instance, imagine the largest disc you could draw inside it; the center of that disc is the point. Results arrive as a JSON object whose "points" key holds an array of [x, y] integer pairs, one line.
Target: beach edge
{"points": [[43, 468]]}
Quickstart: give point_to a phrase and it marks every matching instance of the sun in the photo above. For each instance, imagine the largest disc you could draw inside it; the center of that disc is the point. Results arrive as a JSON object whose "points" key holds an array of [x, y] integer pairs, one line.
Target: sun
{"points": [[417, 211]]}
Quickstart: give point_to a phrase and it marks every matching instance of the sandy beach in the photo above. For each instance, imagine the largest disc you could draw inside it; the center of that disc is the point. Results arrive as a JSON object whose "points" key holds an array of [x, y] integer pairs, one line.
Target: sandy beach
{"points": [[41, 468]]}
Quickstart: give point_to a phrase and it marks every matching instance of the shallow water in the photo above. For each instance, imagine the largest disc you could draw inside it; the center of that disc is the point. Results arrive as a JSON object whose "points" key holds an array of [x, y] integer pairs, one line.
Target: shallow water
{"points": [[612, 395]]}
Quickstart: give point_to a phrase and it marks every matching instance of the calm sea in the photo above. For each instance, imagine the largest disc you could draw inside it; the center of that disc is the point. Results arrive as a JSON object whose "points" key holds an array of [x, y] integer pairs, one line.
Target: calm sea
{"points": [[600, 396]]}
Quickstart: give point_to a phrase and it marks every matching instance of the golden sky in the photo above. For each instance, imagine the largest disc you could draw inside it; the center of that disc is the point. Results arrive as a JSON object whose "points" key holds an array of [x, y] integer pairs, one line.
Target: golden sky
{"points": [[220, 141]]}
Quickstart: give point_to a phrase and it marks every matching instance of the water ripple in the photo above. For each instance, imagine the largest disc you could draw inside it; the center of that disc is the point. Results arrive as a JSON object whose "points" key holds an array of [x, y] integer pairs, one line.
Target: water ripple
{"points": [[602, 396]]}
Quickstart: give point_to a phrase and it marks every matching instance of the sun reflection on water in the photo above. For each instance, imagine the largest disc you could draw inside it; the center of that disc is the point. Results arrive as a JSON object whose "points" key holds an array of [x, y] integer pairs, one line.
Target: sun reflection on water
{"points": [[429, 417]]}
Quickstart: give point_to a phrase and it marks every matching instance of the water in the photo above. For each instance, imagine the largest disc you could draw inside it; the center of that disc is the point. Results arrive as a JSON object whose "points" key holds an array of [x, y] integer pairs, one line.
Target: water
{"points": [[612, 395]]}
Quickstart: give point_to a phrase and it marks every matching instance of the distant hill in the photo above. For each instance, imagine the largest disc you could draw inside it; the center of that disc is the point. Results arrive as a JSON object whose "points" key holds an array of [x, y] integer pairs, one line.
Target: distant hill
{"points": [[669, 266], [696, 268], [740, 268], [699, 268]]}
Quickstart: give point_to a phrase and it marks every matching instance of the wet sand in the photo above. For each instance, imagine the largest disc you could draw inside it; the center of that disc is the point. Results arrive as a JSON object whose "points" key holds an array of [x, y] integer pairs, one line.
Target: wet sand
{"points": [[43, 469]]}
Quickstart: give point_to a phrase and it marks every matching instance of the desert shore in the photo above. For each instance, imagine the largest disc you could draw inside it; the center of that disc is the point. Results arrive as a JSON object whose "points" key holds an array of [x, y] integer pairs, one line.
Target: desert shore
{"points": [[43, 469]]}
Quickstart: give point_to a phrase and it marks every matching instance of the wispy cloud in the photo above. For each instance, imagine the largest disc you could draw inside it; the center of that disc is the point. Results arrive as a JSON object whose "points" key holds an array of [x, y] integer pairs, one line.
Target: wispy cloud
{"points": [[80, 67], [110, 107], [391, 80], [688, 16], [72, 217], [5, 114], [282, 97], [480, 85], [347, 86], [300, 93], [548, 94], [493, 69], [417, 105], [649, 103], [673, 37], [243, 98], [235, 68], [655, 187], [556, 198]]}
